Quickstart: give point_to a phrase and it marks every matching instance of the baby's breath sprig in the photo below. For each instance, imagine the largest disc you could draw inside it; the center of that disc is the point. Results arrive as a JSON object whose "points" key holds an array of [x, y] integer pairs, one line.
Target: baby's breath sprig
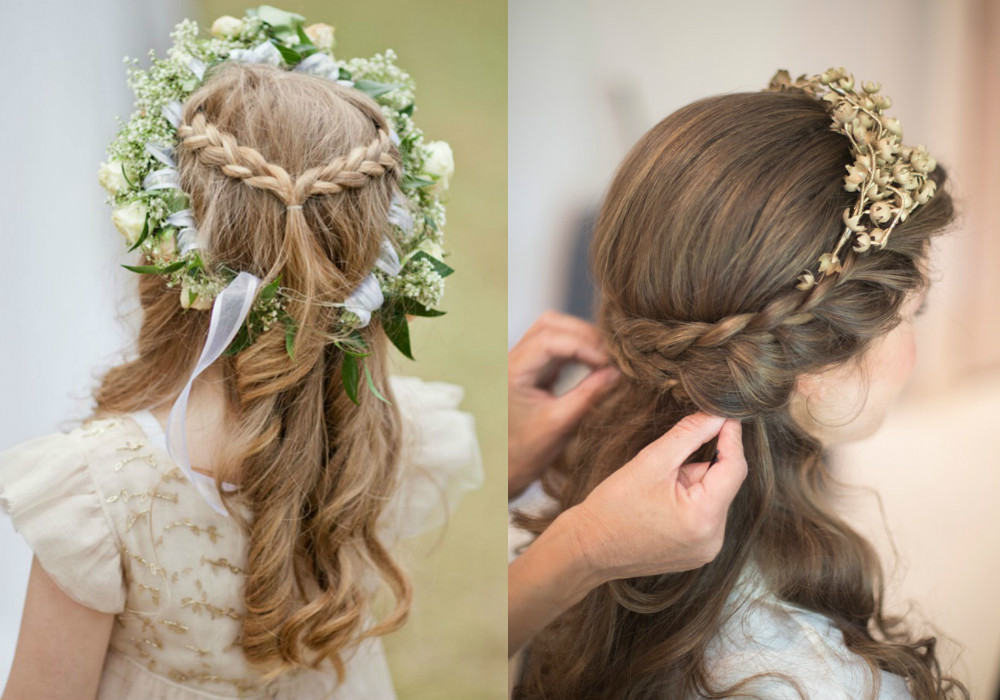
{"points": [[890, 178]]}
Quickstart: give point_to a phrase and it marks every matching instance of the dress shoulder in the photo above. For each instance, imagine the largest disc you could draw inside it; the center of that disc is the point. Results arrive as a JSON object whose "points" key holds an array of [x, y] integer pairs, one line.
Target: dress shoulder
{"points": [[441, 456], [50, 491], [790, 649]]}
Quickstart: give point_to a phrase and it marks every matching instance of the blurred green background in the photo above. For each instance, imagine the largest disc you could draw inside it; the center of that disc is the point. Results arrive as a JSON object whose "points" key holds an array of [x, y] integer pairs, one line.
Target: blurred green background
{"points": [[453, 647]]}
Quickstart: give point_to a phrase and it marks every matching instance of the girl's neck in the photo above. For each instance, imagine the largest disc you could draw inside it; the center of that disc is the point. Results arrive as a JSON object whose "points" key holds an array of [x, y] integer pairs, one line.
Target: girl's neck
{"points": [[206, 413]]}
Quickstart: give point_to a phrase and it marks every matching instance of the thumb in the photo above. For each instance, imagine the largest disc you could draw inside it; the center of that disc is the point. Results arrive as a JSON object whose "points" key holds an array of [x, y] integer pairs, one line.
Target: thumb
{"points": [[571, 406]]}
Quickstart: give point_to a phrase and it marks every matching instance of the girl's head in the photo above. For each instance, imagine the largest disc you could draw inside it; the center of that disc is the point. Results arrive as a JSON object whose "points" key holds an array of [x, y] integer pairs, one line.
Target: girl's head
{"points": [[710, 219], [314, 468]]}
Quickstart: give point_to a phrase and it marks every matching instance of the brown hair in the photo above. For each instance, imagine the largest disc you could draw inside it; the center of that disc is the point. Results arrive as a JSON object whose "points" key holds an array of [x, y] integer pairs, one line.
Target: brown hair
{"points": [[315, 469], [703, 232]]}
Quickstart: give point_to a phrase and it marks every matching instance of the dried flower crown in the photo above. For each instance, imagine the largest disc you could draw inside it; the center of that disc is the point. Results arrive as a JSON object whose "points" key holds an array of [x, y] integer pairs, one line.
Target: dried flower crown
{"points": [[890, 178], [153, 213]]}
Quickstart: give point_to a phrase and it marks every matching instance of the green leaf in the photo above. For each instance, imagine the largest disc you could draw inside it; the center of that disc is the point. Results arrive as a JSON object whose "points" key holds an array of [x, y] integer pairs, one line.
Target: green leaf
{"points": [[439, 267], [371, 385], [173, 266], [395, 326], [143, 269], [407, 110], [142, 236], [290, 56], [268, 292], [242, 341], [415, 308], [349, 376], [414, 182], [374, 89], [303, 37]]}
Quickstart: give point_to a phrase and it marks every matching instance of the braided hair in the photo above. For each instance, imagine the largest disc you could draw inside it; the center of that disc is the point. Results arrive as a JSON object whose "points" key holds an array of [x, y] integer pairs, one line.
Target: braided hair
{"points": [[696, 251], [289, 174]]}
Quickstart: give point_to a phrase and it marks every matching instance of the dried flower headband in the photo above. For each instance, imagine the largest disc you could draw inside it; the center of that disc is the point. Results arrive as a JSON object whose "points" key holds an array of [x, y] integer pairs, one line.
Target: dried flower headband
{"points": [[890, 178], [154, 214]]}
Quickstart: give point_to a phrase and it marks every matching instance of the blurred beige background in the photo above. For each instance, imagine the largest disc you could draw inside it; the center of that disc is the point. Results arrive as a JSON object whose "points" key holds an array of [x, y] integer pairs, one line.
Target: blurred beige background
{"points": [[69, 83], [588, 77]]}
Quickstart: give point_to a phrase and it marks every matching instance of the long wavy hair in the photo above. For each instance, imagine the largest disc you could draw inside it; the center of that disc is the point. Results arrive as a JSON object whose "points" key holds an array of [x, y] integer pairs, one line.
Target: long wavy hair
{"points": [[707, 224], [314, 468]]}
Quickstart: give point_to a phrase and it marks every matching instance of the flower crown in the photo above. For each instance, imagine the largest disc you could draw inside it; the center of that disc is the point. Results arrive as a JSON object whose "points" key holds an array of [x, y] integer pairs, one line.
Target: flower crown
{"points": [[154, 214], [890, 179]]}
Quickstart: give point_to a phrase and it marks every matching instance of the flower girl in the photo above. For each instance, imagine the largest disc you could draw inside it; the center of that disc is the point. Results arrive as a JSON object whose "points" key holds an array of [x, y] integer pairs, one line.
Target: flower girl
{"points": [[221, 522]]}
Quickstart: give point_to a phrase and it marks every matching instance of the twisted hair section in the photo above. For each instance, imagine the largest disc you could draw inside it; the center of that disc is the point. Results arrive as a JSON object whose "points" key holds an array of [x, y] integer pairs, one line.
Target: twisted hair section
{"points": [[315, 469], [700, 237]]}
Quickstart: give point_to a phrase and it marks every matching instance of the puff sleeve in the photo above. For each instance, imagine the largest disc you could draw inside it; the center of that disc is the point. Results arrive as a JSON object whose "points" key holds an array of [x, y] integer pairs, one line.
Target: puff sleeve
{"points": [[441, 456], [50, 493]]}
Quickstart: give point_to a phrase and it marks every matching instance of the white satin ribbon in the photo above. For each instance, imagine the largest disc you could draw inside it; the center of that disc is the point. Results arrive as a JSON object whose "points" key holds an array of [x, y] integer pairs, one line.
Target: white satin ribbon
{"points": [[229, 311]]}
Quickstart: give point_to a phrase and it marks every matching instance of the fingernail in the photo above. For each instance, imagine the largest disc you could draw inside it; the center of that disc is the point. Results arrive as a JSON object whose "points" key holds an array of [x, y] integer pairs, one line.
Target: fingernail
{"points": [[714, 459]]}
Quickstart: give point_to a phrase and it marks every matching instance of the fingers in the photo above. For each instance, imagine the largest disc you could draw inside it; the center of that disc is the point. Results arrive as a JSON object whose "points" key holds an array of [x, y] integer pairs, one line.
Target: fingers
{"points": [[668, 452], [534, 355], [569, 324], [571, 406], [726, 476]]}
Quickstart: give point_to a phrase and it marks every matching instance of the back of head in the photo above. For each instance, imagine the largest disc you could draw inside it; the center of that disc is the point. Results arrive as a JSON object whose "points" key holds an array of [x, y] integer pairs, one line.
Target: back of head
{"points": [[288, 174], [707, 224]]}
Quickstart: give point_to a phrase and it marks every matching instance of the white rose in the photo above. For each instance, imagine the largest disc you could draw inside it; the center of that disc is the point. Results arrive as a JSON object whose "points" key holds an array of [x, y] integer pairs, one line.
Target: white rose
{"points": [[130, 220], [321, 35], [227, 27], [441, 163], [432, 249], [111, 177], [202, 301]]}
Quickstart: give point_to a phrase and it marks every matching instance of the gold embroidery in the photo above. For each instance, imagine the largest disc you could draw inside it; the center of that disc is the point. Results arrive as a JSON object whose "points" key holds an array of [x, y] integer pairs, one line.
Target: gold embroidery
{"points": [[124, 495], [174, 474], [154, 642], [159, 570], [154, 592], [204, 676], [137, 615], [147, 458], [212, 531], [175, 626], [99, 425], [224, 563], [214, 610], [131, 445], [201, 652], [133, 516], [173, 579]]}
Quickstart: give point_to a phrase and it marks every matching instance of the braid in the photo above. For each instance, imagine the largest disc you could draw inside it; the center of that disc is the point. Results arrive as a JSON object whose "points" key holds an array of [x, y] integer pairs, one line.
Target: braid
{"points": [[750, 347], [356, 169]]}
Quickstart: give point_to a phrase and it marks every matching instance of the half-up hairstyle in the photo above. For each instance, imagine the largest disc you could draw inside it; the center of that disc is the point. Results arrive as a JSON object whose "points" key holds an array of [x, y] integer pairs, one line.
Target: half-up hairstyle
{"points": [[315, 469], [706, 226]]}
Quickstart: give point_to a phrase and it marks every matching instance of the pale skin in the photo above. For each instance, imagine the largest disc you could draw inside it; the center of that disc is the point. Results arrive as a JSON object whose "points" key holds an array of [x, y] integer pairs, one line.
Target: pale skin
{"points": [[655, 514]]}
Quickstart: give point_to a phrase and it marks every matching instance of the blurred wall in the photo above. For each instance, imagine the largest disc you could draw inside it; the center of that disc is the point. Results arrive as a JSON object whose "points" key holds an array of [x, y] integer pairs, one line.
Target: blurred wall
{"points": [[64, 82], [587, 78]]}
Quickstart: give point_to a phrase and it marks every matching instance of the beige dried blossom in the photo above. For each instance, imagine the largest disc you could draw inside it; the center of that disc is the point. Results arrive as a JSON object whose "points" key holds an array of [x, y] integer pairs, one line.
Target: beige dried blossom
{"points": [[890, 179]]}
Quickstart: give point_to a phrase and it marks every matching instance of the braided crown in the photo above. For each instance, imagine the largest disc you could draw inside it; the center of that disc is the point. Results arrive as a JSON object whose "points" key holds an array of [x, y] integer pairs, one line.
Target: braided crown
{"points": [[221, 149], [890, 178]]}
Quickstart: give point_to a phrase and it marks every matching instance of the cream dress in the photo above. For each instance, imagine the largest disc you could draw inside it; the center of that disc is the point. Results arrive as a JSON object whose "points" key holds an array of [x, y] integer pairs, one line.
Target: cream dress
{"points": [[117, 525]]}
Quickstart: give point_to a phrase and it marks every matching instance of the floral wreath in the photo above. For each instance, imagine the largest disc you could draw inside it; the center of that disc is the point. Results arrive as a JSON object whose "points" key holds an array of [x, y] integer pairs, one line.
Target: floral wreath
{"points": [[890, 179], [154, 214]]}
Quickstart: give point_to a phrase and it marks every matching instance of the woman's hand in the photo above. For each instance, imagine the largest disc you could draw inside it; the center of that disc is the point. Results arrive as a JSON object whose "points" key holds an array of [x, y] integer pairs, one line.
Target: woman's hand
{"points": [[539, 422], [654, 515]]}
